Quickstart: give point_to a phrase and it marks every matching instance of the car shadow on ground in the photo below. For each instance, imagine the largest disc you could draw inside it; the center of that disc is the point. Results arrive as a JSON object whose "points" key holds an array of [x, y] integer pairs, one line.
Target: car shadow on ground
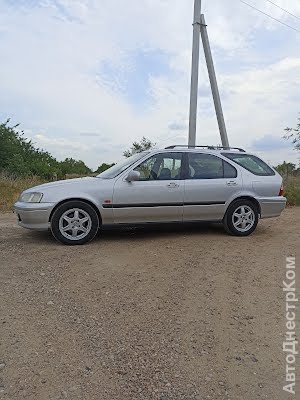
{"points": [[152, 231], [136, 233], [148, 231]]}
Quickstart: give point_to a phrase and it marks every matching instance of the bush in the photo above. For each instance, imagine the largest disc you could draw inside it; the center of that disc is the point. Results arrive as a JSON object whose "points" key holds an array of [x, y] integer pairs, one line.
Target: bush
{"points": [[292, 190], [10, 189], [19, 157]]}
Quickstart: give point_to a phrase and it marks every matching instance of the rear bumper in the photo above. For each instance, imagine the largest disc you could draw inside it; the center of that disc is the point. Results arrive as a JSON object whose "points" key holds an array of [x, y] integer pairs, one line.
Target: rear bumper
{"points": [[34, 215], [271, 206]]}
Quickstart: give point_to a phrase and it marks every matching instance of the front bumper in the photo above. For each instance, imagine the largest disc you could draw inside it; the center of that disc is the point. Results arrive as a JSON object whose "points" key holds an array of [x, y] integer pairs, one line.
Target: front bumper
{"points": [[33, 215], [272, 206]]}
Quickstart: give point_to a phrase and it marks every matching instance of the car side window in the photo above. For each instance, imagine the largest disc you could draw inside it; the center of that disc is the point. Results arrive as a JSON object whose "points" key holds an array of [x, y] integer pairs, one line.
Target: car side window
{"points": [[207, 166], [229, 170], [164, 166]]}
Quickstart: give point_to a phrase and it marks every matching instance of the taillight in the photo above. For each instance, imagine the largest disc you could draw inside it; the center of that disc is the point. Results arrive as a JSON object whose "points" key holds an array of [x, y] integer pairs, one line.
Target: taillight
{"points": [[281, 191]]}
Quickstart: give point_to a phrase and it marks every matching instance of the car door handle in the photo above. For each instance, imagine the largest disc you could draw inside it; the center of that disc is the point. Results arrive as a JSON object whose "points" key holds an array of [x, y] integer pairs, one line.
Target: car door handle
{"points": [[231, 183], [173, 185]]}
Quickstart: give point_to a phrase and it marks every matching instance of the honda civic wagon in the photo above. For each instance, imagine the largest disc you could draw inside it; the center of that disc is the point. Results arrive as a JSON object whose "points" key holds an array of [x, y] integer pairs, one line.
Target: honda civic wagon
{"points": [[177, 184]]}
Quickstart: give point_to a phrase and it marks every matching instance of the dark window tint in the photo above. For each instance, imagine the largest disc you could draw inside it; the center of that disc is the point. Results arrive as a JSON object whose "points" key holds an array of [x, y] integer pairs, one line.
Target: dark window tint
{"points": [[166, 166], [206, 166], [251, 163], [229, 170]]}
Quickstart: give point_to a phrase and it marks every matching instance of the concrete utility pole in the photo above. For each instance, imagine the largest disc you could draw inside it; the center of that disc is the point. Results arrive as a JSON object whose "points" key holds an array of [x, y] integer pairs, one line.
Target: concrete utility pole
{"points": [[199, 27], [213, 83], [195, 73]]}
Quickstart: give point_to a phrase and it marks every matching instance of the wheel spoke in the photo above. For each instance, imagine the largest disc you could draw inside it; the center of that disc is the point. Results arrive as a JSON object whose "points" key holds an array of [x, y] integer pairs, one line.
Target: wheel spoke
{"points": [[67, 219], [74, 232], [83, 220], [237, 223], [67, 228], [76, 214]]}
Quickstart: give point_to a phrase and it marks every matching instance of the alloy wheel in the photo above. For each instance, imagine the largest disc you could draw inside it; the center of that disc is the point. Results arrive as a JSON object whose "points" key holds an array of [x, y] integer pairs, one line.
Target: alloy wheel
{"points": [[243, 218], [75, 224]]}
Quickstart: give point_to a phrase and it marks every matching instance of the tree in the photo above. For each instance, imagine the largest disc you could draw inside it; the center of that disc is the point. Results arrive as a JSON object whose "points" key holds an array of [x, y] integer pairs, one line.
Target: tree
{"points": [[294, 135], [20, 157], [71, 166], [138, 147], [103, 167], [286, 169]]}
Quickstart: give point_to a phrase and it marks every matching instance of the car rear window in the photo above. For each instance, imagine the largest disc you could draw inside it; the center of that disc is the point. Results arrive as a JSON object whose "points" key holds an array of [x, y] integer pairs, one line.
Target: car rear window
{"points": [[251, 163]]}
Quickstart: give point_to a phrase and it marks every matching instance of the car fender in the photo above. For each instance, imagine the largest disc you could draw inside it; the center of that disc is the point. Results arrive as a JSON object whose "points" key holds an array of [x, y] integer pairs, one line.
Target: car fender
{"points": [[243, 194]]}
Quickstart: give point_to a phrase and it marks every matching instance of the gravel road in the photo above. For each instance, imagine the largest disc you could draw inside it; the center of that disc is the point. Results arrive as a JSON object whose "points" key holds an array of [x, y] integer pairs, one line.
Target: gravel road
{"points": [[165, 314]]}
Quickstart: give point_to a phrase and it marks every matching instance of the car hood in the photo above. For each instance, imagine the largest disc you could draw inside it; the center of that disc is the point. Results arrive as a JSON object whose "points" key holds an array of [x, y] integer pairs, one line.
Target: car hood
{"points": [[73, 182]]}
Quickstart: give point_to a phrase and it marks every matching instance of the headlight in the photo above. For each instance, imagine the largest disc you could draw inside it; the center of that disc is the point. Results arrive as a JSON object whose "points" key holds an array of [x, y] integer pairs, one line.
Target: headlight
{"points": [[32, 197]]}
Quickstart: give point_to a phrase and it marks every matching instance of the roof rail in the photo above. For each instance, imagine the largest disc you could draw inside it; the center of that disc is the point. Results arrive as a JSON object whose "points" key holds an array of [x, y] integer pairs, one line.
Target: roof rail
{"points": [[206, 147]]}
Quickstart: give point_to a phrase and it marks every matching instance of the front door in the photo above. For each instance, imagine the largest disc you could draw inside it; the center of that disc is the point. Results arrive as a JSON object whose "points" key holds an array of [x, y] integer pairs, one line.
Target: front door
{"points": [[156, 197], [210, 183]]}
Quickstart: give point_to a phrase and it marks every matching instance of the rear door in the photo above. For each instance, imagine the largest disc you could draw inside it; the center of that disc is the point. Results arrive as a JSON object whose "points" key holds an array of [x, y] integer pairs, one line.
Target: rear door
{"points": [[156, 197], [209, 184]]}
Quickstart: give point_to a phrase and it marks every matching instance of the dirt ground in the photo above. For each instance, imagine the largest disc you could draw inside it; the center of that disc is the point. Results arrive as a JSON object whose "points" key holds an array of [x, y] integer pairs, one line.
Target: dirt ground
{"points": [[162, 314]]}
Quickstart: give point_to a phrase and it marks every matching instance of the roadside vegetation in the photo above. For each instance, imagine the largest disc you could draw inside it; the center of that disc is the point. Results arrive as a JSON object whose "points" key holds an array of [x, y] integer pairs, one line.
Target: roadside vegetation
{"points": [[23, 165], [290, 173], [11, 187], [292, 190]]}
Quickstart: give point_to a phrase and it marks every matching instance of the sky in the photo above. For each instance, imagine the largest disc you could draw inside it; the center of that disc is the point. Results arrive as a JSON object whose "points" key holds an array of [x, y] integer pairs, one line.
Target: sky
{"points": [[86, 78]]}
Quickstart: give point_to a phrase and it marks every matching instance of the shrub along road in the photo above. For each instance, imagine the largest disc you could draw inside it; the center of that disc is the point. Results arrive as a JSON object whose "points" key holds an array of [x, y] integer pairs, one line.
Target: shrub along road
{"points": [[184, 313]]}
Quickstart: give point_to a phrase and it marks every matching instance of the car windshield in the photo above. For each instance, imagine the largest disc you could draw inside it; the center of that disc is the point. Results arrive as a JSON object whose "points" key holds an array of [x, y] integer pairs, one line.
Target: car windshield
{"points": [[115, 170]]}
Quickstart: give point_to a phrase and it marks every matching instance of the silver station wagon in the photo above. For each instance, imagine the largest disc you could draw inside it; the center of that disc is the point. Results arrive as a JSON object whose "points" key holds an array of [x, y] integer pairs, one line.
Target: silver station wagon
{"points": [[176, 184]]}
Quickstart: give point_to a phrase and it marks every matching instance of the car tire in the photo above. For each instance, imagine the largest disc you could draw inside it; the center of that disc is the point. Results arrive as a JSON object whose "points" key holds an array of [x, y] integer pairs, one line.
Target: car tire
{"points": [[241, 218], [74, 223]]}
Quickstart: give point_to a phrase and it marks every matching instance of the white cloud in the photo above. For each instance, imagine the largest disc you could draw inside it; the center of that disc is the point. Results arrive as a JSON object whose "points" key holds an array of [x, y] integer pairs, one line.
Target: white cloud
{"points": [[64, 143], [51, 56]]}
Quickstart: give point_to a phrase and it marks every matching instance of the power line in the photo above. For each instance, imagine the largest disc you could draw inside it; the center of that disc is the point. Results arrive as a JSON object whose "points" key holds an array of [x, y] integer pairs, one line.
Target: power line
{"points": [[283, 9], [270, 16]]}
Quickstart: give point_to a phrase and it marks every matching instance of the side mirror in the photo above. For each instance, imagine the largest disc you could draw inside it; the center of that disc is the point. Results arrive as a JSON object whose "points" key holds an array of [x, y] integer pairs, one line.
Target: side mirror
{"points": [[133, 176]]}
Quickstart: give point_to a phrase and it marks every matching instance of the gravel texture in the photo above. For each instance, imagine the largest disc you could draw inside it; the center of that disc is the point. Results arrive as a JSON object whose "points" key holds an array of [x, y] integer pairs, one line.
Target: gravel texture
{"points": [[185, 313]]}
